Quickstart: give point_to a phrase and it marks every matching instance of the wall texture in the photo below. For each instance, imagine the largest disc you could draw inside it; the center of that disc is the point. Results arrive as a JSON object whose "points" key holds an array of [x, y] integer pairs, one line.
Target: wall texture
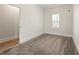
{"points": [[76, 25], [66, 21], [31, 21], [8, 22]]}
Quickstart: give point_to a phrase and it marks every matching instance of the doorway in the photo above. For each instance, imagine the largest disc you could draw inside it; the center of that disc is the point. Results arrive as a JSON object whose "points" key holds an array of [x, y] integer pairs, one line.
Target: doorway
{"points": [[9, 26]]}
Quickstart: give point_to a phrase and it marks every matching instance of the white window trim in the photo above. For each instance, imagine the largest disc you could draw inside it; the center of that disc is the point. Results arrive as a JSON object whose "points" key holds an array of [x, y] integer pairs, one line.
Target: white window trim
{"points": [[56, 22]]}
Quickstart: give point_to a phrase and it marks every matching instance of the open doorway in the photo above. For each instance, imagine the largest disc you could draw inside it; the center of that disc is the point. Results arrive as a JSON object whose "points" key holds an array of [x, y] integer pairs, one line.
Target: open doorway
{"points": [[9, 26]]}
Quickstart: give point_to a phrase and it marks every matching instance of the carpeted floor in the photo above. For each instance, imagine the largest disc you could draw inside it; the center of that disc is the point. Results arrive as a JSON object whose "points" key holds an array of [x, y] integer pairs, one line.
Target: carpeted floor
{"points": [[45, 44]]}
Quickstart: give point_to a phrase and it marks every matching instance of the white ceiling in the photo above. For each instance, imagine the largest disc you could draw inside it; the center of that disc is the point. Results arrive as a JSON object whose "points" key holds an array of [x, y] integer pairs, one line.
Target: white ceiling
{"points": [[49, 5]]}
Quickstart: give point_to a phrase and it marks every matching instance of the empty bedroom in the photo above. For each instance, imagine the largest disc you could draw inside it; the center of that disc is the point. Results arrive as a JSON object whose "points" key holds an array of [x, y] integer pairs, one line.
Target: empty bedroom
{"points": [[39, 29]]}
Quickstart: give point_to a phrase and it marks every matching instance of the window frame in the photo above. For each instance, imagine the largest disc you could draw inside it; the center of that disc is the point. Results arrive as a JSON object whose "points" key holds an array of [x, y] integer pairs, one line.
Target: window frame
{"points": [[56, 22]]}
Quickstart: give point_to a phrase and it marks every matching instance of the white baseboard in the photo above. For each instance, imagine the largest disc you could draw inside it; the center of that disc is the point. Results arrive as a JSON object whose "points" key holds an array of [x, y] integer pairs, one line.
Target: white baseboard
{"points": [[22, 40], [59, 34], [8, 38], [25, 39]]}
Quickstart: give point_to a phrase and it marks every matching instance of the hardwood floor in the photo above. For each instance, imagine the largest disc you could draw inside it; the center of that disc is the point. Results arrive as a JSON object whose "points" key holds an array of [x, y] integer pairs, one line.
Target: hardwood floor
{"points": [[8, 44], [45, 44]]}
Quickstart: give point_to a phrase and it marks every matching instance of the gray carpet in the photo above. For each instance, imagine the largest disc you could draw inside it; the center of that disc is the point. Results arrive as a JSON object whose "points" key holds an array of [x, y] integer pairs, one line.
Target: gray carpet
{"points": [[45, 44]]}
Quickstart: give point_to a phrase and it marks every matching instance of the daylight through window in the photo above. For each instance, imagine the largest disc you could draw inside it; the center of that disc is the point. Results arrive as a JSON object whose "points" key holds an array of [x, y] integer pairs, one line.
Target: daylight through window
{"points": [[55, 20]]}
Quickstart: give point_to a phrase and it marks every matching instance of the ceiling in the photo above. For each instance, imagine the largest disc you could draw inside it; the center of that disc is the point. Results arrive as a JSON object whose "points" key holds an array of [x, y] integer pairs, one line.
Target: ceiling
{"points": [[49, 5]]}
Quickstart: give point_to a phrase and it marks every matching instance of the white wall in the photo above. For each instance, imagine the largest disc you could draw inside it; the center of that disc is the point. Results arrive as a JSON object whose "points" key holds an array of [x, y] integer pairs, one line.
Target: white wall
{"points": [[76, 25], [65, 20], [31, 21], [9, 16]]}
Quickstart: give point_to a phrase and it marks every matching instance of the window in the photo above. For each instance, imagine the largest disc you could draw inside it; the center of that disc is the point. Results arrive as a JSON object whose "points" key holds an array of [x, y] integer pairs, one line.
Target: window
{"points": [[55, 20]]}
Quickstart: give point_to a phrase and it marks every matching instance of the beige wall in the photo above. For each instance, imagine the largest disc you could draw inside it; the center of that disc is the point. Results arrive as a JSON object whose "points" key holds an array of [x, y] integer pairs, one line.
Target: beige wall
{"points": [[9, 17], [76, 25], [65, 20], [31, 21]]}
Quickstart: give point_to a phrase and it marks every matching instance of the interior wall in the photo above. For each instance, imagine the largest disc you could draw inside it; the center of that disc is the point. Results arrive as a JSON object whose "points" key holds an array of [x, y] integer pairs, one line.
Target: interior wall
{"points": [[31, 21], [8, 22], [76, 25], [35, 21], [66, 21]]}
